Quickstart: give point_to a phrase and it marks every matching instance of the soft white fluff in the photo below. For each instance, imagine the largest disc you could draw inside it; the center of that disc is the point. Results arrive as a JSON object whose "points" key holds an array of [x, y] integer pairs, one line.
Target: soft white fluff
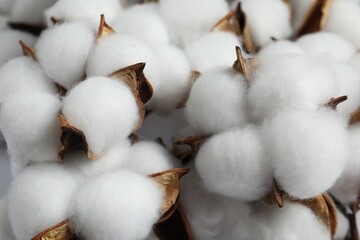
{"points": [[29, 11], [3, 22], [279, 48], [118, 205], [23, 74], [117, 51], [354, 62], [342, 226], [234, 164], [104, 109], [175, 82], [344, 19], [10, 47], [186, 19], [308, 150], [211, 50], [148, 157], [39, 198], [63, 51], [290, 82], [144, 22], [84, 10], [216, 101], [112, 159], [266, 19], [5, 5], [300, 9], [325, 43], [5, 227], [30, 126]]}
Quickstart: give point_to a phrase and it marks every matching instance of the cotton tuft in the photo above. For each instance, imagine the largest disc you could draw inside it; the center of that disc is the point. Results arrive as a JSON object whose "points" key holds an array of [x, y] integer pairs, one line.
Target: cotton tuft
{"points": [[5, 226]]}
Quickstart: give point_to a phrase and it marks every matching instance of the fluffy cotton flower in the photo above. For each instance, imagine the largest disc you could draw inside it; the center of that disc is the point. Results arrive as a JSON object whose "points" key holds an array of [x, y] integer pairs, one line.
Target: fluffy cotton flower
{"points": [[104, 109], [39, 198], [23, 75], [118, 205], [63, 51], [5, 226], [234, 164], [30, 126], [216, 101], [308, 150], [279, 48], [148, 157], [342, 226], [117, 51], [10, 47], [325, 43], [211, 50]]}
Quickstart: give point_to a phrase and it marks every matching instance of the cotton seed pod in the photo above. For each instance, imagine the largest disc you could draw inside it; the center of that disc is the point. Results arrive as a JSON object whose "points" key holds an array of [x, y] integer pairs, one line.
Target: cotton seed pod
{"points": [[29, 214], [233, 164], [5, 226], [23, 74], [208, 109], [211, 50], [29, 124], [102, 111], [279, 48], [307, 147], [97, 204], [63, 50]]}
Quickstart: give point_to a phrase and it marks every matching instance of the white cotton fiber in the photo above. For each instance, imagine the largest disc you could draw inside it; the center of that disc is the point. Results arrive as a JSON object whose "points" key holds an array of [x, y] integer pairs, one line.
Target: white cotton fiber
{"points": [[175, 82], [234, 164], [216, 101], [84, 10], [10, 47], [211, 50], [5, 226], [267, 19], [29, 11], [144, 22], [104, 109], [5, 5], [23, 74], [112, 159], [344, 19], [354, 62], [300, 10], [39, 198], [117, 51], [308, 150], [186, 19], [342, 227], [290, 82], [63, 51], [30, 126], [148, 157], [329, 44], [119, 205], [4, 22], [279, 48]]}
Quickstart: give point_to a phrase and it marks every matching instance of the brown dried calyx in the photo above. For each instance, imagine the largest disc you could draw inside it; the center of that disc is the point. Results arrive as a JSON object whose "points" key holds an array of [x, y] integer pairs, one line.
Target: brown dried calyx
{"points": [[169, 182], [60, 231], [194, 142], [28, 51], [104, 28], [355, 117], [316, 17], [334, 102], [245, 66], [56, 21], [141, 88]]}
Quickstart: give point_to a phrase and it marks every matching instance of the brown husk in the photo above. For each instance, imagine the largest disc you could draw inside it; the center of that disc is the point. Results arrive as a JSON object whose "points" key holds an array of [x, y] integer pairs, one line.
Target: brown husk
{"points": [[244, 30], [245, 66], [104, 28], [334, 102], [28, 51], [56, 20], [60, 231], [355, 117]]}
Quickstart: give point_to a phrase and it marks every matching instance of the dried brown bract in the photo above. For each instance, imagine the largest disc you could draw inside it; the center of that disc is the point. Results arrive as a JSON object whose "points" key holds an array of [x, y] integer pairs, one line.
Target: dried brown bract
{"points": [[334, 102], [104, 28], [355, 117], [28, 51], [60, 231]]}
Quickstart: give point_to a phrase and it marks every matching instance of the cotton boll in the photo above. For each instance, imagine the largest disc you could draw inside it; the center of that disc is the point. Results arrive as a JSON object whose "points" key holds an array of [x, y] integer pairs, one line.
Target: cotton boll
{"points": [[30, 11], [63, 51], [290, 82], [342, 226], [4, 22], [211, 50], [39, 199], [30, 126], [300, 10], [186, 19], [10, 47], [5, 227], [5, 5], [117, 51], [267, 19], [216, 101], [308, 150], [234, 164], [144, 22], [175, 82], [354, 62], [23, 74], [84, 10], [345, 13], [112, 159], [118, 205], [279, 48], [104, 109], [148, 157], [324, 43]]}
